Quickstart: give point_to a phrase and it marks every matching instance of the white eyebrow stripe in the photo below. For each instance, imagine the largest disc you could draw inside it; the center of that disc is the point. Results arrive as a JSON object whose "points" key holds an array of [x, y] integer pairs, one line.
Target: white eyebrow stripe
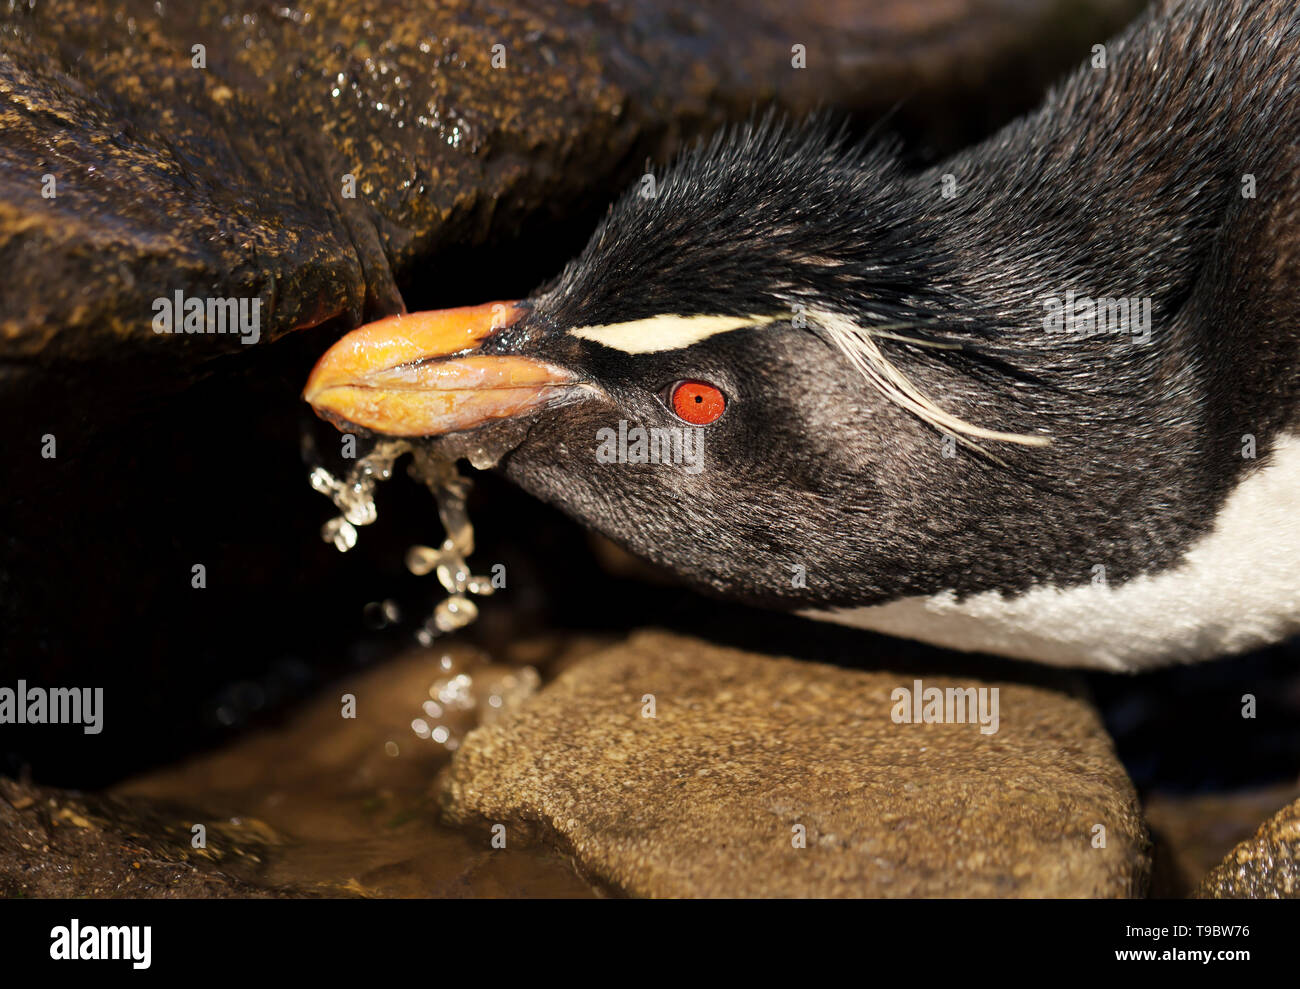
{"points": [[666, 332]]}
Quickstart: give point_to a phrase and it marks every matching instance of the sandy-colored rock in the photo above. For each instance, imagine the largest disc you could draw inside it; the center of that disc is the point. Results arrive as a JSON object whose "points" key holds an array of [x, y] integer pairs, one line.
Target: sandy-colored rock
{"points": [[350, 797], [707, 797], [1267, 866]]}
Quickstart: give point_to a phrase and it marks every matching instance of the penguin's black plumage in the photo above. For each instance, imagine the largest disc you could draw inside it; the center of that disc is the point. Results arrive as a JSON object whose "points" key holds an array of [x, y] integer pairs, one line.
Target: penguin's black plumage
{"points": [[918, 428]]}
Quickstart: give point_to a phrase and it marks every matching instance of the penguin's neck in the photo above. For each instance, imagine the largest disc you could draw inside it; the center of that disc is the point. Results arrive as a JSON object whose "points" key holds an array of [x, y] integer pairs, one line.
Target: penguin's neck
{"points": [[1236, 588]]}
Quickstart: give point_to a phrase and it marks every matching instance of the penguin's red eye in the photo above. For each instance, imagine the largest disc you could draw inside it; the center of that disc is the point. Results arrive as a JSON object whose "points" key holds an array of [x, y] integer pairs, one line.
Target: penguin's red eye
{"points": [[696, 402]]}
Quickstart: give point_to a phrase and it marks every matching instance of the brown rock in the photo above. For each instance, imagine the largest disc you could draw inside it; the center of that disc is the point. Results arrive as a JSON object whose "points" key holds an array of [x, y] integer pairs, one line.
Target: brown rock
{"points": [[351, 796], [704, 798], [1267, 866]]}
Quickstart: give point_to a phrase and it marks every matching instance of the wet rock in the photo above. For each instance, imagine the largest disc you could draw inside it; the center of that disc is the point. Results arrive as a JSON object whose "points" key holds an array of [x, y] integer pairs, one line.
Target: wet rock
{"points": [[746, 755], [59, 844], [301, 156], [1265, 866]]}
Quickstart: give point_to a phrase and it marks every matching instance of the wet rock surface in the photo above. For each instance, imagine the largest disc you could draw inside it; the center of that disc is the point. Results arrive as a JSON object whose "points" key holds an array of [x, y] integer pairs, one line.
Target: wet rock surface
{"points": [[203, 147], [351, 800], [1265, 866], [59, 844], [696, 801], [707, 797]]}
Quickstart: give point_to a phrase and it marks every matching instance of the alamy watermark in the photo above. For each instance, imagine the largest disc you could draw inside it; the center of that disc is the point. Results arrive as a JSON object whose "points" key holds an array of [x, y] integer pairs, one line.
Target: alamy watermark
{"points": [[669, 445], [194, 314], [133, 943], [1085, 316], [920, 704], [26, 705]]}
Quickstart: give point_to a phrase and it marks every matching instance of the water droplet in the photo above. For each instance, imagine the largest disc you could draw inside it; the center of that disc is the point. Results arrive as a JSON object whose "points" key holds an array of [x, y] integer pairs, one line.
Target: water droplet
{"points": [[381, 614], [453, 577], [455, 612], [421, 559], [341, 533]]}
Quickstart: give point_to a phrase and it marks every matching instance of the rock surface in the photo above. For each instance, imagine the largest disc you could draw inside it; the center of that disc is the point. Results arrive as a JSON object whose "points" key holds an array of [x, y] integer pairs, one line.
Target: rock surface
{"points": [[706, 797], [59, 844], [319, 805], [1266, 866], [204, 147]]}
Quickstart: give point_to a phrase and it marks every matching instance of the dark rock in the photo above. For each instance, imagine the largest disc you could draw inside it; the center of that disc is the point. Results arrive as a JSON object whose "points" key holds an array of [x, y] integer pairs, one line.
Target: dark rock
{"points": [[59, 844], [228, 179]]}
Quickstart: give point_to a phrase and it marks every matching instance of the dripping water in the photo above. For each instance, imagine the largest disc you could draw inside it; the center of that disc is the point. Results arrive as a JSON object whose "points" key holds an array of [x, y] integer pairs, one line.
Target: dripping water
{"points": [[433, 464]]}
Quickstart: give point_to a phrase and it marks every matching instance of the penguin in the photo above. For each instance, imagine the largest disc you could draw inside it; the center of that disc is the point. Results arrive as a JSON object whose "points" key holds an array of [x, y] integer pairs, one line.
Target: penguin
{"points": [[1040, 400]]}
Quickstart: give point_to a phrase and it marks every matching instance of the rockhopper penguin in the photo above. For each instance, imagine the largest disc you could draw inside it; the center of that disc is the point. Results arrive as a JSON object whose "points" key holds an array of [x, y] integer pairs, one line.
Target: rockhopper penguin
{"points": [[1041, 400]]}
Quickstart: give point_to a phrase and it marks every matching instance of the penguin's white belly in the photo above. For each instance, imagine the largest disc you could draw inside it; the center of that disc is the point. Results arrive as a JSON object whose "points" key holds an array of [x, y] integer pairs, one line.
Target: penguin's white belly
{"points": [[1237, 588]]}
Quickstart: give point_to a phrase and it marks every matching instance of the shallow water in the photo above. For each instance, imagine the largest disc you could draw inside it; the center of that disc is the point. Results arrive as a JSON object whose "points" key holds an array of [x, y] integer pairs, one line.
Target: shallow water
{"points": [[349, 806]]}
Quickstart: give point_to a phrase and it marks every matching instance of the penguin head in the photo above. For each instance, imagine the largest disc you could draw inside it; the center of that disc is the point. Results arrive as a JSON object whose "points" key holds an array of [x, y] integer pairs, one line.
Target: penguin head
{"points": [[736, 380]]}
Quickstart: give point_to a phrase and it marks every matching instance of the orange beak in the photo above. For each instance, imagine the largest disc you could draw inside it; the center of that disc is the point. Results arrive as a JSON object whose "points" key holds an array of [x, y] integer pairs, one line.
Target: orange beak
{"points": [[416, 374]]}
